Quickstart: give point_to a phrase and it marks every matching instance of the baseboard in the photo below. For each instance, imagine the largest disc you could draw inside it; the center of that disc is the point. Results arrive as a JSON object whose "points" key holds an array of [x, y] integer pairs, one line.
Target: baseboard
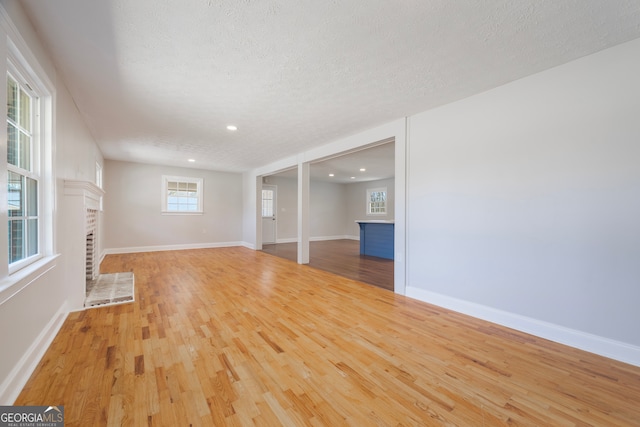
{"points": [[19, 375], [289, 240], [248, 245], [136, 249], [606, 347], [322, 238], [319, 238]]}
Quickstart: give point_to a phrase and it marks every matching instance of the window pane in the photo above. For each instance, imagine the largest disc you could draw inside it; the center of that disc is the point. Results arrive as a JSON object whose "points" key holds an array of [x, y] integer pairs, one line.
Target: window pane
{"points": [[267, 203], [32, 197], [19, 148], [267, 208], [16, 239], [15, 194], [25, 111], [24, 160], [13, 145], [32, 234], [12, 99]]}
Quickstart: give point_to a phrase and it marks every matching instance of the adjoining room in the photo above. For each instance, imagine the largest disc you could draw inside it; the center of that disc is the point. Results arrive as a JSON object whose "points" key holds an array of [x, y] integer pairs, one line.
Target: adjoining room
{"points": [[344, 190]]}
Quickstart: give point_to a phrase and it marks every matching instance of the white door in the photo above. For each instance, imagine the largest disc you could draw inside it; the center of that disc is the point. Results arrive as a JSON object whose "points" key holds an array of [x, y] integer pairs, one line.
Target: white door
{"points": [[269, 214]]}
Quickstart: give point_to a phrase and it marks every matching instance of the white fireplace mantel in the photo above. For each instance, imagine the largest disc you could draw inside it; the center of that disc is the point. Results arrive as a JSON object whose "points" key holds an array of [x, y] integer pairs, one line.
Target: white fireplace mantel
{"points": [[88, 190], [81, 197]]}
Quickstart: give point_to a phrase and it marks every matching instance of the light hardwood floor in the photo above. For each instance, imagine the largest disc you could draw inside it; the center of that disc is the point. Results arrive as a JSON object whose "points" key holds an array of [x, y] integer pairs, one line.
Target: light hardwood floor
{"points": [[237, 337]]}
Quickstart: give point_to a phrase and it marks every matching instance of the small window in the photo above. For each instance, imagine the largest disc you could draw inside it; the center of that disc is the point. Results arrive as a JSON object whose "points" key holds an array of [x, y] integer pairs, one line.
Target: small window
{"points": [[181, 195], [99, 181], [98, 175], [377, 201], [267, 203]]}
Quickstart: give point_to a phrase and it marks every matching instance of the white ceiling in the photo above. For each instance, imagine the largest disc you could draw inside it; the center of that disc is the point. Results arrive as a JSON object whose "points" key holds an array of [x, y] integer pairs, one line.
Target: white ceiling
{"points": [[378, 162], [158, 81]]}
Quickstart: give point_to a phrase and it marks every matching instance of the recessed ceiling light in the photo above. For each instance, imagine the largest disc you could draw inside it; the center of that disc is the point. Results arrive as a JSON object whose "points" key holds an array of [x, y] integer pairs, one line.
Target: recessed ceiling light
{"points": [[331, 174], [362, 169], [191, 160], [232, 127], [353, 177]]}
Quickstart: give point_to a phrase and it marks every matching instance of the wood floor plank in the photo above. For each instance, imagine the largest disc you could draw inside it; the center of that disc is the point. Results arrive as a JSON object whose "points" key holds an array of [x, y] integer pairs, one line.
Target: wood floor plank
{"points": [[237, 337]]}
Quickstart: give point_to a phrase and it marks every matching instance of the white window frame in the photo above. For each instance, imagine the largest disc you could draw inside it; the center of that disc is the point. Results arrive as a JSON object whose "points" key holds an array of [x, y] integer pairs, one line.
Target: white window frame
{"points": [[32, 171], [24, 68], [369, 202], [166, 179], [98, 175]]}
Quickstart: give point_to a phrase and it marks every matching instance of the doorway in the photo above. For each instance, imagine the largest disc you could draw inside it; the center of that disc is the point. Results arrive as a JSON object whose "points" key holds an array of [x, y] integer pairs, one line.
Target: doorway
{"points": [[269, 217], [338, 192]]}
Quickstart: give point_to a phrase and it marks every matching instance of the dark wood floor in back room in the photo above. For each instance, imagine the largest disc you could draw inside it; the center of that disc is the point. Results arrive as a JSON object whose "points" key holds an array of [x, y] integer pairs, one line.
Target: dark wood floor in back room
{"points": [[340, 257], [237, 337]]}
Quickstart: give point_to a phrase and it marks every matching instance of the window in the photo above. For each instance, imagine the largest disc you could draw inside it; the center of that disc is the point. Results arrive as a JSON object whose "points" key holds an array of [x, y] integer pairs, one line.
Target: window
{"points": [[98, 175], [267, 203], [23, 171], [181, 195], [99, 182], [377, 201], [26, 164]]}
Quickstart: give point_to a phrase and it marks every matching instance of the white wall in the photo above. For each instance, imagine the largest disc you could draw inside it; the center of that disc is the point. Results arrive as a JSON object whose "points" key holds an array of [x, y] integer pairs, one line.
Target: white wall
{"points": [[328, 215], [77, 155], [357, 204], [132, 205], [524, 204], [335, 208], [251, 215], [38, 308]]}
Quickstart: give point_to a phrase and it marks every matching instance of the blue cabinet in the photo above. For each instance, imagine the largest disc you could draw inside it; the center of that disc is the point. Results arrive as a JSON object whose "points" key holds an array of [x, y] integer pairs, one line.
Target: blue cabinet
{"points": [[376, 238]]}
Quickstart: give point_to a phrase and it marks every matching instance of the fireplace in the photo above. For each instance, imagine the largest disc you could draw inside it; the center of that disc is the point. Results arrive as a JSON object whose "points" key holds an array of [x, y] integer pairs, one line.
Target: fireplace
{"points": [[92, 257], [89, 288], [82, 237]]}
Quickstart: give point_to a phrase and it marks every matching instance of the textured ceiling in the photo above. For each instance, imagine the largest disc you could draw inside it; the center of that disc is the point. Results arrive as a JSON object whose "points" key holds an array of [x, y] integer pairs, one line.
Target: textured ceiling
{"points": [[158, 81], [377, 162]]}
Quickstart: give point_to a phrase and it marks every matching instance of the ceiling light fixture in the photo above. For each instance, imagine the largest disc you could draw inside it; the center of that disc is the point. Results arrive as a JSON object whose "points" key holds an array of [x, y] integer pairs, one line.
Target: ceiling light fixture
{"points": [[331, 174], [232, 127], [191, 160], [353, 177], [362, 169]]}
